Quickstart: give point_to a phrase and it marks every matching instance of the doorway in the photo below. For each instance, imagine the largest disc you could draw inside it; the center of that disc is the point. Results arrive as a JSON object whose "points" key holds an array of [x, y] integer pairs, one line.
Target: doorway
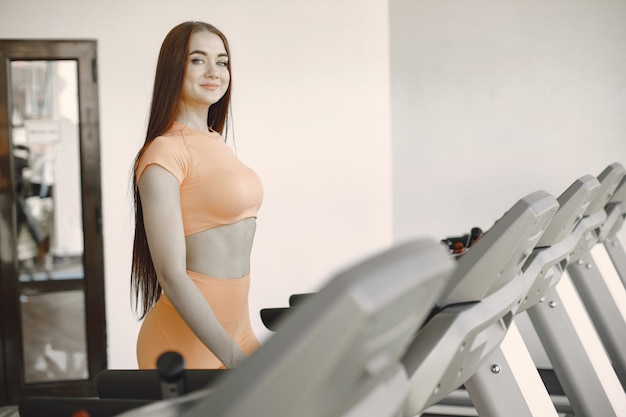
{"points": [[52, 311]]}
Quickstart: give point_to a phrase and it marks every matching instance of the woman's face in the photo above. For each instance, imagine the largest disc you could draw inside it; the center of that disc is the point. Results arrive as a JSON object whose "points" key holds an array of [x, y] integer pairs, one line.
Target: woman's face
{"points": [[206, 76]]}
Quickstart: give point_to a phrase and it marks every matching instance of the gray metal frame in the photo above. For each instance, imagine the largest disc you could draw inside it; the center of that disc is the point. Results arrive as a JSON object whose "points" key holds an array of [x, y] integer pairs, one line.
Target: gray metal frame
{"points": [[600, 300], [477, 307], [574, 350], [495, 393], [508, 383], [616, 216]]}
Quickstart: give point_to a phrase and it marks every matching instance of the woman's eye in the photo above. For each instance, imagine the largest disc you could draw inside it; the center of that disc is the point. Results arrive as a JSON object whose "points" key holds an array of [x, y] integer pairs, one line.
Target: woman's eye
{"points": [[222, 63], [197, 60]]}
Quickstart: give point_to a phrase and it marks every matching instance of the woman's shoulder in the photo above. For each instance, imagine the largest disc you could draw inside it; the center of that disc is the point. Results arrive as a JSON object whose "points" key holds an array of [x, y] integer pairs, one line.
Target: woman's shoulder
{"points": [[172, 139], [170, 144], [173, 134]]}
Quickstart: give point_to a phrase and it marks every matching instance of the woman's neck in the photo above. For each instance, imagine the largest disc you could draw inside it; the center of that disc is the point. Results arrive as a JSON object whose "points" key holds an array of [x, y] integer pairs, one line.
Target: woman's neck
{"points": [[194, 119]]}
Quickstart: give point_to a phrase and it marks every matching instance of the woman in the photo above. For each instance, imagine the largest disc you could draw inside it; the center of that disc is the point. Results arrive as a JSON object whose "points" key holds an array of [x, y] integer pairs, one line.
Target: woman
{"points": [[195, 211]]}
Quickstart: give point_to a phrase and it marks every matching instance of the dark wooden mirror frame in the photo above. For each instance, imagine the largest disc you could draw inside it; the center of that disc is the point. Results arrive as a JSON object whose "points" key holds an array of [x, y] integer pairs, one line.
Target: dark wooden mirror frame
{"points": [[84, 52]]}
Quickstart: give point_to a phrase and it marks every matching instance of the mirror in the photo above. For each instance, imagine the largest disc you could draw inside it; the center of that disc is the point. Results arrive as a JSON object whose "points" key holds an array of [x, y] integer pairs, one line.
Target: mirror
{"points": [[44, 127], [45, 142], [53, 337]]}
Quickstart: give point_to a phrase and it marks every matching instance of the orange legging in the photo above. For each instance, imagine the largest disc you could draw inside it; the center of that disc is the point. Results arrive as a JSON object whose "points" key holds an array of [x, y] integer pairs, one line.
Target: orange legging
{"points": [[164, 330]]}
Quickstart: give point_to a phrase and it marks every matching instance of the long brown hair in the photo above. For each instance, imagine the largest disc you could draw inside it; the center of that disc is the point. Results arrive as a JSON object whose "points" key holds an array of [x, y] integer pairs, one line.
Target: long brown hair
{"points": [[166, 96]]}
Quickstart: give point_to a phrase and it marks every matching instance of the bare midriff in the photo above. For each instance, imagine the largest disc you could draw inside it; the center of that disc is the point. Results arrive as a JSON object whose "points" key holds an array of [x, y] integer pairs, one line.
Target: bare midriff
{"points": [[223, 251]]}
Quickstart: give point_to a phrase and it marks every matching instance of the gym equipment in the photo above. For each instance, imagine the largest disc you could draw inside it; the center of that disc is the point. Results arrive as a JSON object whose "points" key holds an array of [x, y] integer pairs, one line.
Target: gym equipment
{"points": [[605, 304], [339, 354], [616, 215], [425, 324], [575, 352], [476, 310]]}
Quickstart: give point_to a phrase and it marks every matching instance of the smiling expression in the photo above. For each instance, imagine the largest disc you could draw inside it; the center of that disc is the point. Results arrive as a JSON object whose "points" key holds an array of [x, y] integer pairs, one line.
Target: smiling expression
{"points": [[207, 76]]}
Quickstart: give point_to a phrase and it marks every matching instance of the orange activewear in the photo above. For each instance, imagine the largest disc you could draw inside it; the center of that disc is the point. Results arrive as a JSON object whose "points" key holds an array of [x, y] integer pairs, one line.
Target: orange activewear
{"points": [[215, 189]]}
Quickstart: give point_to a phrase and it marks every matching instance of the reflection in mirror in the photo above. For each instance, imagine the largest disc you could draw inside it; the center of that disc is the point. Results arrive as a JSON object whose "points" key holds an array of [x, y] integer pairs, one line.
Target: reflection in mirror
{"points": [[57, 352], [45, 143], [44, 131]]}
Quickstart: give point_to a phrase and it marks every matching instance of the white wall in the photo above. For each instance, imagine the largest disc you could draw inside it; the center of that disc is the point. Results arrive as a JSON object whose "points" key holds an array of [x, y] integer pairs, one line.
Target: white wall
{"points": [[493, 100], [311, 110]]}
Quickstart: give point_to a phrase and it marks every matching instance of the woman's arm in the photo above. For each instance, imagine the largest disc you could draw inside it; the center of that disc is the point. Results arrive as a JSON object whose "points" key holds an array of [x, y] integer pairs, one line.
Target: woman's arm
{"points": [[160, 200]]}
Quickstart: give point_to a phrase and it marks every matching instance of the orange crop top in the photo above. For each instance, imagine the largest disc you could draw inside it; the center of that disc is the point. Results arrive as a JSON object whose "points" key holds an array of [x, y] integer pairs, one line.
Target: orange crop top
{"points": [[216, 188]]}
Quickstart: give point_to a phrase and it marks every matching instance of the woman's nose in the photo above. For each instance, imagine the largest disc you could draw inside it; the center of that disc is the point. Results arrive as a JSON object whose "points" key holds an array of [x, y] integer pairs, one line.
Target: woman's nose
{"points": [[211, 72]]}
